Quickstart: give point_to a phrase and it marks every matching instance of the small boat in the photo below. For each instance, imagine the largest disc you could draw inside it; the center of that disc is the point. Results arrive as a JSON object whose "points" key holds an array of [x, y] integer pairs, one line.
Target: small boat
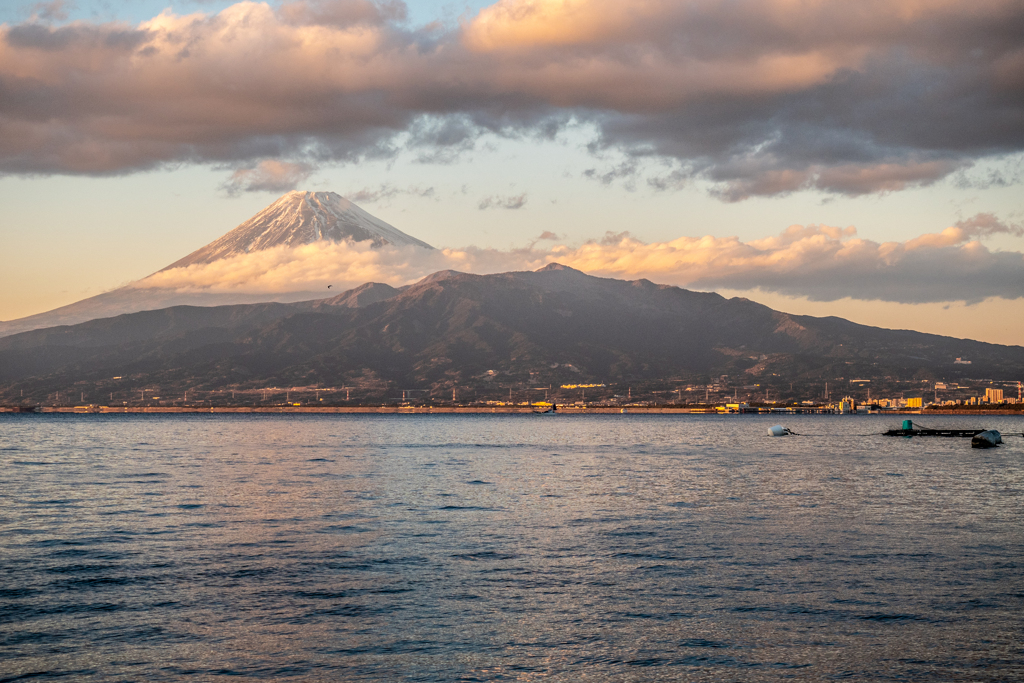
{"points": [[545, 410]]}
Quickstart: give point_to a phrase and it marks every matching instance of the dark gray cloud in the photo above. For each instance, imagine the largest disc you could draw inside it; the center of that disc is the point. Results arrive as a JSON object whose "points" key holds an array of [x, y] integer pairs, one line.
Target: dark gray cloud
{"points": [[921, 276], [35, 36], [626, 171], [761, 97], [385, 192], [56, 10], [503, 202], [342, 14]]}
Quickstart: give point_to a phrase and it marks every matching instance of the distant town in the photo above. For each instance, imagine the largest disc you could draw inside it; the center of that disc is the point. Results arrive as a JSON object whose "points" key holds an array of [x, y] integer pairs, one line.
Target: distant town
{"points": [[835, 396]]}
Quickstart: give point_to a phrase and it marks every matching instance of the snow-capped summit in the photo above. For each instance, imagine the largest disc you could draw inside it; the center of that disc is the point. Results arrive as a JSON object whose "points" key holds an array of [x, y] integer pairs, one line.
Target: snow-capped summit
{"points": [[298, 218]]}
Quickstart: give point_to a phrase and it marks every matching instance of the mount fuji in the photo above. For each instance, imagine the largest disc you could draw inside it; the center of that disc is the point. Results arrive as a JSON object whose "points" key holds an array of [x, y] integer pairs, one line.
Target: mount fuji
{"points": [[301, 218], [297, 218]]}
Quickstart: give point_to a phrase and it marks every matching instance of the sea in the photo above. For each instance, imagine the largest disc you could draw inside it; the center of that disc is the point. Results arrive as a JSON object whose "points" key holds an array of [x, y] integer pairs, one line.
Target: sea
{"points": [[508, 548]]}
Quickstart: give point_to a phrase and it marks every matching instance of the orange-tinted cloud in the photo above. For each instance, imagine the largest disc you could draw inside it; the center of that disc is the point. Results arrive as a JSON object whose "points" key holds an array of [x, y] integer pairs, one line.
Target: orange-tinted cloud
{"points": [[761, 97], [822, 263]]}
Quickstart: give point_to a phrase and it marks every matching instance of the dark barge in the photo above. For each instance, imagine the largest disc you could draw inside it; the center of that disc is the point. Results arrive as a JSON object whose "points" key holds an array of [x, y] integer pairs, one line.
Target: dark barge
{"points": [[980, 438], [934, 432], [909, 429]]}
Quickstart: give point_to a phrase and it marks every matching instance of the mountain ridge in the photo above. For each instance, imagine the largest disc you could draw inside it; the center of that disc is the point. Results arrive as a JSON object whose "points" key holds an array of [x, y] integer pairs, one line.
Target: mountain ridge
{"points": [[547, 327]]}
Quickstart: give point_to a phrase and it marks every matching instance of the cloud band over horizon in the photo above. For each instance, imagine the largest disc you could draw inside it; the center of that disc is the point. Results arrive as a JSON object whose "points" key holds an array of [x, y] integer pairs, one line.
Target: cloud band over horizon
{"points": [[820, 263], [759, 97]]}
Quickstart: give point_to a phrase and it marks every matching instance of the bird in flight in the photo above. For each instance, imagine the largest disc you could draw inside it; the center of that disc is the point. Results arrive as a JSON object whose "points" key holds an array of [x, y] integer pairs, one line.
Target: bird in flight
{"points": [[329, 286]]}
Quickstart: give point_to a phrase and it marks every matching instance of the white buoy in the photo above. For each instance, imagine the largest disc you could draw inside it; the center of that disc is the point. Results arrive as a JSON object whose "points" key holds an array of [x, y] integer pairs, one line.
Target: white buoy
{"points": [[777, 430]]}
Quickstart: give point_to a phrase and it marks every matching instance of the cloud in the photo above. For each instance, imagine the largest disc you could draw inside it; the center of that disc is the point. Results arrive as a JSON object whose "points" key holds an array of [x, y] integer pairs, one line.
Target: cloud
{"points": [[986, 224], [627, 170], [547, 235], [268, 176], [342, 14], [848, 179], [499, 202], [759, 97], [822, 263], [673, 180], [304, 268], [387, 191], [56, 10]]}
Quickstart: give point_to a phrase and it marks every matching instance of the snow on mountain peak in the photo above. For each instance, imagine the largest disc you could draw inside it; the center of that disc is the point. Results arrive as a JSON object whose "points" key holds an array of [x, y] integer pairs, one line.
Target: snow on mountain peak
{"points": [[301, 217]]}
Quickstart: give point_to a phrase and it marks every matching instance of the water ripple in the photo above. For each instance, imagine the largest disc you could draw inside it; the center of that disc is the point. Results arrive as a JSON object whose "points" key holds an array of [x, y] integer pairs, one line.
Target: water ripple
{"points": [[497, 548]]}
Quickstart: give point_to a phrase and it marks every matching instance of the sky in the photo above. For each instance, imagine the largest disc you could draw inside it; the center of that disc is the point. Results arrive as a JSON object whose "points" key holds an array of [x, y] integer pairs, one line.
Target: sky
{"points": [[863, 160]]}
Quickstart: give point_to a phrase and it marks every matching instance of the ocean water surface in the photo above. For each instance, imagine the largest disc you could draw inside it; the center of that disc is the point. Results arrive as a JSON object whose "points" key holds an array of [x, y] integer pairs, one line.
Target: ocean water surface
{"points": [[499, 548]]}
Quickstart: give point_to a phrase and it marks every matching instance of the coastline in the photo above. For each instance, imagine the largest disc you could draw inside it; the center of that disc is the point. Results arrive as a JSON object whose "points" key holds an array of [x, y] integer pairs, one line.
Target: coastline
{"points": [[445, 410]]}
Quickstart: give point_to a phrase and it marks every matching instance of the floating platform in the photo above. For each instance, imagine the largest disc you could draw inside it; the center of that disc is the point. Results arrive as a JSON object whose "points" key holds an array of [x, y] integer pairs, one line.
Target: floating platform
{"points": [[964, 433], [910, 429]]}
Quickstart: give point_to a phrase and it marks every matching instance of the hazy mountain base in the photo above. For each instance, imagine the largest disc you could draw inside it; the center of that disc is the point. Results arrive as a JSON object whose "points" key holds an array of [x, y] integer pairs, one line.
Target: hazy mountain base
{"points": [[488, 333], [132, 299]]}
